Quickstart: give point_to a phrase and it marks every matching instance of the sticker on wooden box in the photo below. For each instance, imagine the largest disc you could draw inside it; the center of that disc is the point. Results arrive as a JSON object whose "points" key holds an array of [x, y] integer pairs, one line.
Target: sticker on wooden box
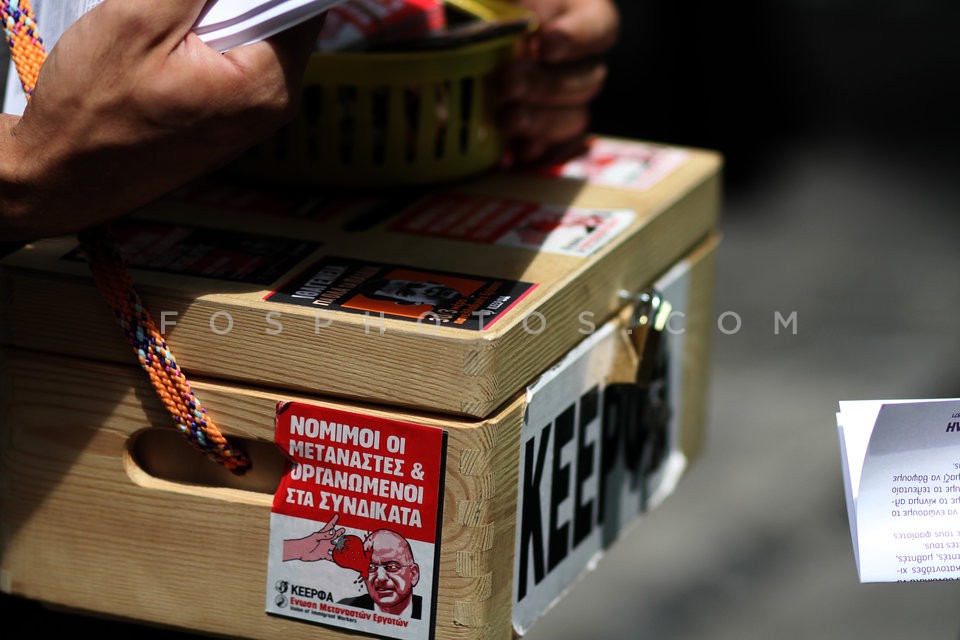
{"points": [[355, 524], [620, 163], [431, 297], [220, 254], [543, 227]]}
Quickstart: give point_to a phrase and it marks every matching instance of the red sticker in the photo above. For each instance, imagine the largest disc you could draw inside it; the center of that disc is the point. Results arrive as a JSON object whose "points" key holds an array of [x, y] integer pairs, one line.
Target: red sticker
{"points": [[355, 524]]}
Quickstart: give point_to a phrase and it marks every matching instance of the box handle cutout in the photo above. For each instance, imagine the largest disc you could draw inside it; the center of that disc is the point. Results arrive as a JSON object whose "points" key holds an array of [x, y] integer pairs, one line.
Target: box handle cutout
{"points": [[159, 457]]}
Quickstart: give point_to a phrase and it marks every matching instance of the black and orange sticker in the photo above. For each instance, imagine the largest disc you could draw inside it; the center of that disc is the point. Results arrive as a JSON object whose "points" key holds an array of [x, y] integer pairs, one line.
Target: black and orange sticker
{"points": [[396, 291]]}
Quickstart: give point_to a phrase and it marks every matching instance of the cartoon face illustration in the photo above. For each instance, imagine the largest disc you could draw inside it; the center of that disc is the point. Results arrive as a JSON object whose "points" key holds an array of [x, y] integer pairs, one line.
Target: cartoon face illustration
{"points": [[410, 292], [392, 573]]}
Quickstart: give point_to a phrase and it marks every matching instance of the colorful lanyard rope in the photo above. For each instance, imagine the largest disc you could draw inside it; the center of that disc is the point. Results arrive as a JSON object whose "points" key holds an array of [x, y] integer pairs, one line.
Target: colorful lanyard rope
{"points": [[26, 45], [113, 280]]}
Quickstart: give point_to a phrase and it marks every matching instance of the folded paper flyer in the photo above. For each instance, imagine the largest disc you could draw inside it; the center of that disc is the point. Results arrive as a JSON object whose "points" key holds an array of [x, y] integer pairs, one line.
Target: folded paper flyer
{"points": [[901, 471]]}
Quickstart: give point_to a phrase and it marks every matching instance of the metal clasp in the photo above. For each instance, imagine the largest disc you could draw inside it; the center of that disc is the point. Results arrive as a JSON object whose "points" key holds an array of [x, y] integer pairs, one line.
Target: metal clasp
{"points": [[651, 391], [646, 332]]}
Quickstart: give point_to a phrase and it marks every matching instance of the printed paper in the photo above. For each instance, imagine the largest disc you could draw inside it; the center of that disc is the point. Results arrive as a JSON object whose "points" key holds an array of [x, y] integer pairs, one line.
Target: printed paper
{"points": [[901, 471]]}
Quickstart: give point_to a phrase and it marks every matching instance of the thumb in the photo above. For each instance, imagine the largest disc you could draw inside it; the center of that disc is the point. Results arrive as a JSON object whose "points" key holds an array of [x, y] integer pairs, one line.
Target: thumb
{"points": [[585, 30], [167, 21]]}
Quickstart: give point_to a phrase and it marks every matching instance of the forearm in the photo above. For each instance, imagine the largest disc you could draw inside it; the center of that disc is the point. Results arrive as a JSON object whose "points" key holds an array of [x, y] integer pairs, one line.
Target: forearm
{"points": [[131, 104], [46, 192], [15, 211]]}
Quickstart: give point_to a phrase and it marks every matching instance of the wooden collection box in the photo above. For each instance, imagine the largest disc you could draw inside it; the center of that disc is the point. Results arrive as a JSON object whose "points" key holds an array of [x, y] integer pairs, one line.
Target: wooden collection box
{"points": [[489, 402]]}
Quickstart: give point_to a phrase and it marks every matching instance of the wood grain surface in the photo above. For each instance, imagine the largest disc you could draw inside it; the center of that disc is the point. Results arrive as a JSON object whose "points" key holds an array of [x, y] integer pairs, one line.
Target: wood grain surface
{"points": [[50, 303]]}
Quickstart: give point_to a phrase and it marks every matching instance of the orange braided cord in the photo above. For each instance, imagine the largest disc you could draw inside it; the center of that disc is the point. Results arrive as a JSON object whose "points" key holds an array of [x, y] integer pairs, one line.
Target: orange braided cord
{"points": [[26, 45], [155, 357]]}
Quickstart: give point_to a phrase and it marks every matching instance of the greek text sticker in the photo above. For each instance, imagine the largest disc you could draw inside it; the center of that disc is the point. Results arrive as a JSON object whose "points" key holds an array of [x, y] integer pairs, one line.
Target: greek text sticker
{"points": [[355, 524]]}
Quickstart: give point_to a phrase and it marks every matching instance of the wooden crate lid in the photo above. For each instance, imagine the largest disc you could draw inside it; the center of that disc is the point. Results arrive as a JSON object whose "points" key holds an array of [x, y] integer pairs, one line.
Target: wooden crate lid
{"points": [[240, 325]]}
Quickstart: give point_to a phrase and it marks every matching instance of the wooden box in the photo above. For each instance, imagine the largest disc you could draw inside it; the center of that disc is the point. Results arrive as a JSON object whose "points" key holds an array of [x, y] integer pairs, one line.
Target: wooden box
{"points": [[526, 427]]}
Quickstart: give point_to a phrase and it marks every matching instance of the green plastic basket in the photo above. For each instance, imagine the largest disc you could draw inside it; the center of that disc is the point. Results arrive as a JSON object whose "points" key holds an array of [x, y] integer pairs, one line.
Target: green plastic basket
{"points": [[393, 118]]}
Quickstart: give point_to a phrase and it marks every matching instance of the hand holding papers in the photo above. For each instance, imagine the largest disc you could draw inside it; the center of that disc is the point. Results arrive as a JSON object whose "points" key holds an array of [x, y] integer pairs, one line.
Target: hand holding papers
{"points": [[130, 103], [223, 25], [901, 471]]}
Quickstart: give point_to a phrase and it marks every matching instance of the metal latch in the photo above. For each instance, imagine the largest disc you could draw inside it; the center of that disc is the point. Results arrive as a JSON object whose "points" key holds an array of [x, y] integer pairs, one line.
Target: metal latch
{"points": [[648, 399]]}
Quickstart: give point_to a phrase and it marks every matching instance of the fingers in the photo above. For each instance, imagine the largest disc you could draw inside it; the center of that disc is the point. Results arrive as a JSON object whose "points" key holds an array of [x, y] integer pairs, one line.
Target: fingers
{"points": [[325, 534], [548, 123], [587, 28], [532, 132], [277, 64], [331, 524], [544, 97], [549, 103], [552, 85]]}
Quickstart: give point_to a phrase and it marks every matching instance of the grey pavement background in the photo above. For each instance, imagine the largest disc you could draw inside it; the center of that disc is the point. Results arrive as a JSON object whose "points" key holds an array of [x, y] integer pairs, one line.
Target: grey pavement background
{"points": [[842, 204]]}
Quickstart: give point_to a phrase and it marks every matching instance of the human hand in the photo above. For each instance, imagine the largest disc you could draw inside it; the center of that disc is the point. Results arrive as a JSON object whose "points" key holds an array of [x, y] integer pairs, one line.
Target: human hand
{"points": [[316, 546], [129, 104], [545, 92]]}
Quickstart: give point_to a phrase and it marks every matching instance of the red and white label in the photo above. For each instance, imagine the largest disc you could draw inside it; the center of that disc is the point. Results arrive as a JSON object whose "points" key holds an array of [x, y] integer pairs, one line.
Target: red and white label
{"points": [[550, 228], [621, 163], [355, 525]]}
